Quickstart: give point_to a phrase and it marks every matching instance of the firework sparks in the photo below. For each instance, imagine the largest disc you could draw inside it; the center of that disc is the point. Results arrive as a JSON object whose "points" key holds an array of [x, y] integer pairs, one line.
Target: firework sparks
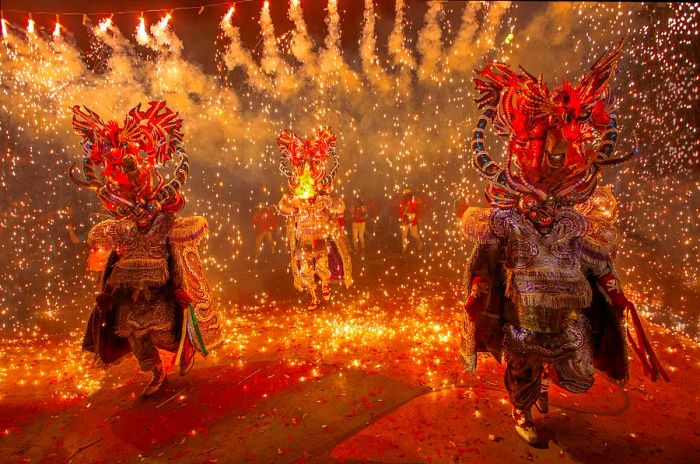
{"points": [[402, 113]]}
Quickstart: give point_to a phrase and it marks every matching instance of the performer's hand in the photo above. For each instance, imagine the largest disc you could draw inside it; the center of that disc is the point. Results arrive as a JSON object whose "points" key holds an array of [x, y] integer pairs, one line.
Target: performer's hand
{"points": [[611, 286], [182, 298], [478, 297]]}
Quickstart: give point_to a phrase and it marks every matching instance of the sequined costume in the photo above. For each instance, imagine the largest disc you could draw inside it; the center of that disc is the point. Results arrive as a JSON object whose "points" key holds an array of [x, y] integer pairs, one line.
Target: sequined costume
{"points": [[540, 288], [311, 207], [154, 294]]}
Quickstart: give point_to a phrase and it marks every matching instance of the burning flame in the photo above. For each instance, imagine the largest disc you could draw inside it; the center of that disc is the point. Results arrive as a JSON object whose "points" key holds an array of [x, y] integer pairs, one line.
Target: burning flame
{"points": [[141, 34], [4, 27], [305, 189], [30, 26], [266, 5], [162, 24], [229, 14], [57, 30], [105, 24]]}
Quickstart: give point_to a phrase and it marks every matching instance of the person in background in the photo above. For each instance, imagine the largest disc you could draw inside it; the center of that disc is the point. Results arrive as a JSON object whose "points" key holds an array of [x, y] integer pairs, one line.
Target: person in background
{"points": [[408, 217], [359, 222], [319, 248], [264, 224]]}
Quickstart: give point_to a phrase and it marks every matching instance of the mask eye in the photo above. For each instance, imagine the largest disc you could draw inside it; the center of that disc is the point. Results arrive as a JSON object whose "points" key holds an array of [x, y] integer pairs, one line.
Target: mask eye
{"points": [[584, 116]]}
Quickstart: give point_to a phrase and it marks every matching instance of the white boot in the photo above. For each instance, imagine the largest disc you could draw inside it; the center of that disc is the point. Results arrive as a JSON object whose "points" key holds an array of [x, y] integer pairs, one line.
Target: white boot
{"points": [[525, 425], [157, 381]]}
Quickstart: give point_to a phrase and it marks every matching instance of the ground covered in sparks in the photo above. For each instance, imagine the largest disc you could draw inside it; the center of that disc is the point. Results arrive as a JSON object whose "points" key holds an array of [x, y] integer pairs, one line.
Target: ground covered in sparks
{"points": [[372, 376]]}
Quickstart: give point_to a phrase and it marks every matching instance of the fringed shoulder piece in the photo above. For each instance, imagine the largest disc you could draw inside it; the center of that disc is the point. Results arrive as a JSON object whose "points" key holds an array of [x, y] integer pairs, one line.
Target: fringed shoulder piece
{"points": [[600, 243], [188, 229], [476, 225], [104, 235], [600, 210]]}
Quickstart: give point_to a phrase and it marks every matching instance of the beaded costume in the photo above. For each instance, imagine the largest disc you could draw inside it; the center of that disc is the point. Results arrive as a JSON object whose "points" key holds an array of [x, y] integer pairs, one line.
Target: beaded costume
{"points": [[154, 294], [318, 244], [540, 286]]}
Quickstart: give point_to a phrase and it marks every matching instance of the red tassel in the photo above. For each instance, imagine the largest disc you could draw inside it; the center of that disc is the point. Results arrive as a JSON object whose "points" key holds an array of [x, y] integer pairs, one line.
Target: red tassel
{"points": [[644, 350]]}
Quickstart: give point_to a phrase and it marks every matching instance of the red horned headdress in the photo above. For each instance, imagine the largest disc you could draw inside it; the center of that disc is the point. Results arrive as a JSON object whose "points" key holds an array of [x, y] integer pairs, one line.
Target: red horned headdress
{"points": [[127, 158], [304, 162], [559, 138]]}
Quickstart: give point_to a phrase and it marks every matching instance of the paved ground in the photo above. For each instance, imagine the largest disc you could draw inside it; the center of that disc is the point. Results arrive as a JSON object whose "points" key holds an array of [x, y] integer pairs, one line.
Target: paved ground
{"points": [[372, 377]]}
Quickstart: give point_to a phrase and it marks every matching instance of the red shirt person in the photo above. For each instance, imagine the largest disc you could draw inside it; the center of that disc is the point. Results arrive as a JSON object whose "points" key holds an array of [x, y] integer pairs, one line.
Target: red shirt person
{"points": [[264, 224], [408, 218], [359, 219]]}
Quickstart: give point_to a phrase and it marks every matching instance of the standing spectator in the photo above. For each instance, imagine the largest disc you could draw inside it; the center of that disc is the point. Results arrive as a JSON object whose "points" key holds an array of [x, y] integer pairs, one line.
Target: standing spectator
{"points": [[264, 224], [408, 217], [359, 222]]}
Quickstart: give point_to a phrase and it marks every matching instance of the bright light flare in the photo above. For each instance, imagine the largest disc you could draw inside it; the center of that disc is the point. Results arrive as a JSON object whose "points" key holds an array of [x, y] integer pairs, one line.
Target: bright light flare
{"points": [[166, 19], [266, 5], [3, 24], [105, 25], [229, 13], [30, 27], [141, 33], [162, 24], [57, 30]]}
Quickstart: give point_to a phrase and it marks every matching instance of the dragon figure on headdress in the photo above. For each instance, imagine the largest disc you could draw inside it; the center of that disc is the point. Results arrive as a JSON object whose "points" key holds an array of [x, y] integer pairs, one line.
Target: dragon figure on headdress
{"points": [[540, 287], [128, 157], [318, 245], [154, 293]]}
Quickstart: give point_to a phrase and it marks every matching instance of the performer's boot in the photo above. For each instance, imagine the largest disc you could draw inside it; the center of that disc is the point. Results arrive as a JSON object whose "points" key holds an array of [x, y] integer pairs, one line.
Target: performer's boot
{"points": [[326, 291], [314, 300], [157, 381], [525, 425], [542, 403], [187, 358]]}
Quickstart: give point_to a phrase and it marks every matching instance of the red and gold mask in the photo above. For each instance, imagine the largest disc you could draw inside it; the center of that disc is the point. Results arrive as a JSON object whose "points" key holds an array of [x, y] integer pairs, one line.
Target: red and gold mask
{"points": [[304, 162], [128, 183], [558, 139]]}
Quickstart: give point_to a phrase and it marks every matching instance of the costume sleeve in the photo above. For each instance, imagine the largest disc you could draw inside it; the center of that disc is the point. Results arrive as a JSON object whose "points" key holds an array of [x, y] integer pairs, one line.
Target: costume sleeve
{"points": [[597, 259], [599, 247], [477, 283], [102, 240], [203, 325], [103, 235]]}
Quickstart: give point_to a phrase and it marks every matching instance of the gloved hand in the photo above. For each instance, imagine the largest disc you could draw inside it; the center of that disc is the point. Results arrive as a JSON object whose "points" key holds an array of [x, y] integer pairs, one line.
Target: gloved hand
{"points": [[478, 296], [611, 286]]}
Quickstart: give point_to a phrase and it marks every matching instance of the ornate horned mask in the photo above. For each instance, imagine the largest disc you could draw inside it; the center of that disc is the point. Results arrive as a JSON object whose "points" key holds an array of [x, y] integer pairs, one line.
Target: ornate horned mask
{"points": [[304, 162], [558, 139], [120, 162]]}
